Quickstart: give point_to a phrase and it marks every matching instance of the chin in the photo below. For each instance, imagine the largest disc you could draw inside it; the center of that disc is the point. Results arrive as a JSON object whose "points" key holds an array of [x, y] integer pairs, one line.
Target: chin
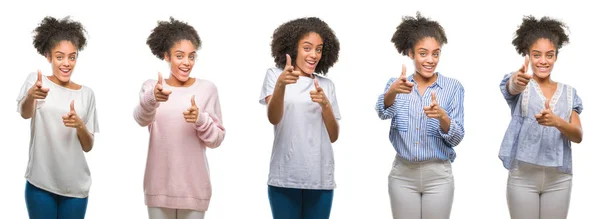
{"points": [[541, 75], [427, 74]]}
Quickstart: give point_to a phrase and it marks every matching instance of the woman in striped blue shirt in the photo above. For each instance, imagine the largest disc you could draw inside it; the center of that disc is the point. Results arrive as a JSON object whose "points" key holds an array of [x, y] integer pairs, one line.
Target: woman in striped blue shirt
{"points": [[426, 109], [545, 120]]}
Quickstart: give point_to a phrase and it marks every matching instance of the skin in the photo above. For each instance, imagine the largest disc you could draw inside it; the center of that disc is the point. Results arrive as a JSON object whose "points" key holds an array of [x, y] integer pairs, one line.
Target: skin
{"points": [[62, 58], [425, 56], [309, 53]]}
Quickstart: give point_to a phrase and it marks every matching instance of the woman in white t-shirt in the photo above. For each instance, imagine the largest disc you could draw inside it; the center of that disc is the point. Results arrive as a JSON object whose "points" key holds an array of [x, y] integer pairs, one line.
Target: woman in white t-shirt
{"points": [[63, 123], [302, 106]]}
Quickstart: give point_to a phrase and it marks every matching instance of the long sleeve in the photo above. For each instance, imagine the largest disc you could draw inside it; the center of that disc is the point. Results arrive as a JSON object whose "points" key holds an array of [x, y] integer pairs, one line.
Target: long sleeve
{"points": [[456, 113], [382, 112], [209, 126], [145, 111]]}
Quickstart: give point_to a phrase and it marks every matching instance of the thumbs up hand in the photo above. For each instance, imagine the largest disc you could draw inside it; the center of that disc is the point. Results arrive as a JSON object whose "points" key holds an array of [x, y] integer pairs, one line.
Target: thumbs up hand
{"points": [[37, 91], [318, 96], [71, 119], [191, 114], [546, 117], [160, 94], [434, 110]]}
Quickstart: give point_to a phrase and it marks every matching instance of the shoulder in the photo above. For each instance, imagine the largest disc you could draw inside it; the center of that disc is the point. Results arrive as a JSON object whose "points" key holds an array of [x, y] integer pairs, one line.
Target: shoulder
{"points": [[324, 80], [452, 83], [203, 84], [87, 91], [274, 71]]}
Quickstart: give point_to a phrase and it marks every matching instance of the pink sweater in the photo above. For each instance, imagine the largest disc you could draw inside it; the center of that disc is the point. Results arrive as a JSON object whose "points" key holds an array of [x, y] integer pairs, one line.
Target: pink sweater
{"points": [[177, 174]]}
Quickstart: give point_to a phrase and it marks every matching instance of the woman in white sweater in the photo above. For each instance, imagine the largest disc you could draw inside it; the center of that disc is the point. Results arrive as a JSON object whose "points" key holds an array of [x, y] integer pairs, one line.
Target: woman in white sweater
{"points": [[63, 123]]}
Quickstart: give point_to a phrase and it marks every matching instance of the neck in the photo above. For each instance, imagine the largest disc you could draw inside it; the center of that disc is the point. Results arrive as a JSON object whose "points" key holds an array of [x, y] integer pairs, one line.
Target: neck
{"points": [[54, 79], [174, 82], [424, 81], [542, 81], [302, 73]]}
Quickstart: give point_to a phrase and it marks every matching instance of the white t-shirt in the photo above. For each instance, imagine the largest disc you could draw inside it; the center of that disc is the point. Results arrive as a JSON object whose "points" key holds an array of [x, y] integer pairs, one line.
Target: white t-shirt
{"points": [[302, 155], [56, 160]]}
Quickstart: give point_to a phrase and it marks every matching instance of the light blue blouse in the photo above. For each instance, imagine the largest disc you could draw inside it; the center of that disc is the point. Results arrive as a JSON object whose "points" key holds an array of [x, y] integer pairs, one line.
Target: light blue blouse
{"points": [[526, 140]]}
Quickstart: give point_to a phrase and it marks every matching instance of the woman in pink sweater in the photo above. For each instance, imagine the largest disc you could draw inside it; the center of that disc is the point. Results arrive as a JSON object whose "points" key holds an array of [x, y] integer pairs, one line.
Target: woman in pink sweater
{"points": [[183, 116]]}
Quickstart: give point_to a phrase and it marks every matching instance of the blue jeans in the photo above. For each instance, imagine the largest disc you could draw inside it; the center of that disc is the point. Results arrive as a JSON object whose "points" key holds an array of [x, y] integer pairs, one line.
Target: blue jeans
{"points": [[288, 203], [42, 204]]}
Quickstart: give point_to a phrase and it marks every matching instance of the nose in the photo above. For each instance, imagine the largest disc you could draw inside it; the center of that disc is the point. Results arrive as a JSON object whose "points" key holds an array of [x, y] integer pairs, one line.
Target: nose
{"points": [[429, 59], [313, 53]]}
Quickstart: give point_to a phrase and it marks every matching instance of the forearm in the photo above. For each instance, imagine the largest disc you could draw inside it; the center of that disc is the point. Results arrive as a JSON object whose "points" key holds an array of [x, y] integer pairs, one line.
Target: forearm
{"points": [[275, 105], [445, 124], [85, 138], [27, 107], [330, 123], [210, 130], [388, 99], [145, 112], [572, 132]]}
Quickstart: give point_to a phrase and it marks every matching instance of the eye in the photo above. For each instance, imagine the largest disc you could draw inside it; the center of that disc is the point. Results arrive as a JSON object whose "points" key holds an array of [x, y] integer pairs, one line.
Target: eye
{"points": [[319, 50], [72, 58], [59, 57], [536, 55], [550, 56], [192, 57], [422, 54], [179, 56], [436, 55]]}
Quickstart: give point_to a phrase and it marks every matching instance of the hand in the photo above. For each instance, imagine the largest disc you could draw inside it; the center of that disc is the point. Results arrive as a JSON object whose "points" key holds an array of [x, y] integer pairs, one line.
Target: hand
{"points": [[521, 78], [191, 114], [434, 110], [159, 94], [71, 119], [37, 91], [318, 96], [288, 76], [547, 117], [401, 85]]}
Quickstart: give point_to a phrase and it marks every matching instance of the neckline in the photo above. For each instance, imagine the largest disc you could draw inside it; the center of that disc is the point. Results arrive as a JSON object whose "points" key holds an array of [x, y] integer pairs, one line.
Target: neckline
{"points": [[61, 87], [555, 95]]}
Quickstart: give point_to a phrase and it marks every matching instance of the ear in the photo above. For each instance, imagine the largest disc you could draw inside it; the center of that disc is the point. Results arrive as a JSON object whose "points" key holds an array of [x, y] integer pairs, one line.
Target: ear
{"points": [[167, 57], [411, 54], [49, 57]]}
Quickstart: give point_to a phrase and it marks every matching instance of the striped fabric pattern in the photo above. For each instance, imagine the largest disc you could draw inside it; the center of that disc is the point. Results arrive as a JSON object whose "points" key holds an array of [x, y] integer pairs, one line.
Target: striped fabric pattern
{"points": [[416, 137]]}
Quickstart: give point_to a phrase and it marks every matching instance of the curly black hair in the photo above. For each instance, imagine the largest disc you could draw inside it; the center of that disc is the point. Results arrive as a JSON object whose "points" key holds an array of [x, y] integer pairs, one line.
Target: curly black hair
{"points": [[286, 38], [413, 29], [167, 33], [532, 29], [51, 31]]}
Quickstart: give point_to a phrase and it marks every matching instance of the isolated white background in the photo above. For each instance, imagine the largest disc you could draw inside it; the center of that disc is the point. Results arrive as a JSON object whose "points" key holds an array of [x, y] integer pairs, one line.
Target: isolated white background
{"points": [[235, 55]]}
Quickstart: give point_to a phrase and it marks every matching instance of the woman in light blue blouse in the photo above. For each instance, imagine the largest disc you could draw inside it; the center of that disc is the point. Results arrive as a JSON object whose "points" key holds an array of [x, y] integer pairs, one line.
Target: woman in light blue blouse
{"points": [[426, 109], [545, 120]]}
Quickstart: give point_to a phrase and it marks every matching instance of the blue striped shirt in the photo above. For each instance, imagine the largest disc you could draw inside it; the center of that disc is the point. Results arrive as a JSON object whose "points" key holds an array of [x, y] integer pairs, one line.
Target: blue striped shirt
{"points": [[416, 137]]}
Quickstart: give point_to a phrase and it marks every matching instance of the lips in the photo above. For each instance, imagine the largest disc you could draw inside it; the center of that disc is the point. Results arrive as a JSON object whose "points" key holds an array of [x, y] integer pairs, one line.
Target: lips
{"points": [[185, 71], [543, 68], [65, 71], [311, 64], [428, 67]]}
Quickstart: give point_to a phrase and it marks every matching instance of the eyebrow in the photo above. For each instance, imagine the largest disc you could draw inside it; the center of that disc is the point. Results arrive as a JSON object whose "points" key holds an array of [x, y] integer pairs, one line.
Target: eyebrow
{"points": [[428, 50], [184, 52], [73, 53], [542, 52], [311, 43]]}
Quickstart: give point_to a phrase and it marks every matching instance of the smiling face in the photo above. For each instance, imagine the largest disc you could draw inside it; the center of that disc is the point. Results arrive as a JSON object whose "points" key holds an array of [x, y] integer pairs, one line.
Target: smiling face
{"points": [[426, 55], [181, 58], [542, 55], [63, 58], [310, 49]]}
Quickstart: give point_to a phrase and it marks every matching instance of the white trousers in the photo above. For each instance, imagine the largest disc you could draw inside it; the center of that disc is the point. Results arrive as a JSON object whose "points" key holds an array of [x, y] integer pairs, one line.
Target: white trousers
{"points": [[538, 192], [421, 190], [168, 213]]}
